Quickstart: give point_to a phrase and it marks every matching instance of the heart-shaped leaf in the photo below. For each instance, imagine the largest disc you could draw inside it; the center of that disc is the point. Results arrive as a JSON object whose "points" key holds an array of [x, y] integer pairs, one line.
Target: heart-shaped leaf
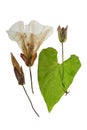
{"points": [[49, 75]]}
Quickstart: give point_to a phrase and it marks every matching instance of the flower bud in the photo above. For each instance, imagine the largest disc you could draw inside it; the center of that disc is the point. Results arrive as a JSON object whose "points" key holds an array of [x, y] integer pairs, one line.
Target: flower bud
{"points": [[62, 33], [18, 70]]}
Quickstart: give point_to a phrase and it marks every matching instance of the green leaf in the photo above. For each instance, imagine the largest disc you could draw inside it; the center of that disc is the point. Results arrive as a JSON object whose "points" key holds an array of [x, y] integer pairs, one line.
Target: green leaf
{"points": [[49, 75]]}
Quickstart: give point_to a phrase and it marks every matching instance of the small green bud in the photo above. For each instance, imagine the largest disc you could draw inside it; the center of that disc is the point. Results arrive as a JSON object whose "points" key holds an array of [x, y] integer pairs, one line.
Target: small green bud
{"points": [[62, 33]]}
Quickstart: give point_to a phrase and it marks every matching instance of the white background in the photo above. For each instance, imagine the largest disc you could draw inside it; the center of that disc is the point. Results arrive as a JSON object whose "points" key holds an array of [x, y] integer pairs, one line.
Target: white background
{"points": [[70, 113]]}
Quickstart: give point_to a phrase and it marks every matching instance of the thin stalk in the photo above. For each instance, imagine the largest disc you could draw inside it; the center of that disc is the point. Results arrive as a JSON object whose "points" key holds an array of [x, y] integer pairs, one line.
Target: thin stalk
{"points": [[62, 62], [30, 101], [31, 79], [63, 70]]}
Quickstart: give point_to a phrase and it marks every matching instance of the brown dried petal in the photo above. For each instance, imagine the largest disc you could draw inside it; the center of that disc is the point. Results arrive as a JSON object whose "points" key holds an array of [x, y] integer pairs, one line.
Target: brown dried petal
{"points": [[18, 70], [33, 59], [30, 60], [19, 76], [25, 59], [15, 63]]}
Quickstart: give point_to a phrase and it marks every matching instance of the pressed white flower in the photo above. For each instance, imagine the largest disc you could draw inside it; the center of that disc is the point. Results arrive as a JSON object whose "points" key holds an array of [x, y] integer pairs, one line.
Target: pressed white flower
{"points": [[29, 38]]}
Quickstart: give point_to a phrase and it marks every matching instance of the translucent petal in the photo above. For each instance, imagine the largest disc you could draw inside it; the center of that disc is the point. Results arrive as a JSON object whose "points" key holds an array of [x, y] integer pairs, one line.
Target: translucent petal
{"points": [[15, 31], [34, 27], [45, 33]]}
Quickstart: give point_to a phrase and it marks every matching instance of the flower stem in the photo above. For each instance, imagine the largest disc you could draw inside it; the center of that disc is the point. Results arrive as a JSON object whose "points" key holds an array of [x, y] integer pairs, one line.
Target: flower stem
{"points": [[31, 79], [63, 70], [30, 101], [62, 62]]}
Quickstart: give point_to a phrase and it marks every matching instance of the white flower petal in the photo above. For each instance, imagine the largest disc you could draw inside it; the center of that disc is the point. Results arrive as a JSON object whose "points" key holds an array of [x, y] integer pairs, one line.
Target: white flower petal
{"points": [[15, 31], [45, 33], [17, 27], [39, 31], [34, 27]]}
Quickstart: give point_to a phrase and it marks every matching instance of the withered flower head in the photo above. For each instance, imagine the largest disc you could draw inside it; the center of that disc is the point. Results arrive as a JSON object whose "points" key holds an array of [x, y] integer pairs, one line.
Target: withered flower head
{"points": [[17, 70], [29, 38], [62, 33]]}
